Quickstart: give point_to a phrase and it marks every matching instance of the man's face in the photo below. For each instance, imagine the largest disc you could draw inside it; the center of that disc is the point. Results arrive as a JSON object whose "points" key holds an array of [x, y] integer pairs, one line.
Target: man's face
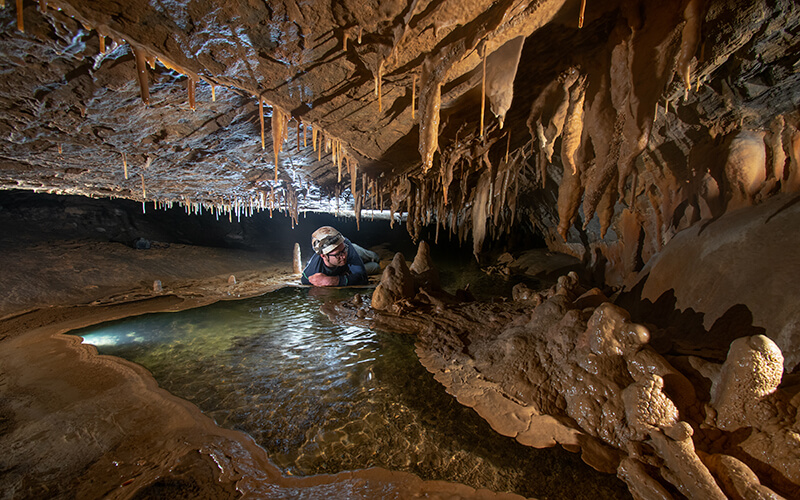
{"points": [[336, 258]]}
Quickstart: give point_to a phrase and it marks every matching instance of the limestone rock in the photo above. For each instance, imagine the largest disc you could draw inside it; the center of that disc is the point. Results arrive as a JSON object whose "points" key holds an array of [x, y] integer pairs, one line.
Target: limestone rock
{"points": [[752, 371], [396, 283]]}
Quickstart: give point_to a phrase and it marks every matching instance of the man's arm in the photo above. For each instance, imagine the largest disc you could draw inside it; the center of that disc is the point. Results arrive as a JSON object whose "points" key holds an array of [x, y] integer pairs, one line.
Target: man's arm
{"points": [[313, 267], [358, 273]]}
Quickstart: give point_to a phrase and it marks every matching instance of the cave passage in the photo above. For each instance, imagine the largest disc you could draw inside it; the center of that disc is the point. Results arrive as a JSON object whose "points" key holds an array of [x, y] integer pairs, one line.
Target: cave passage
{"points": [[324, 398]]}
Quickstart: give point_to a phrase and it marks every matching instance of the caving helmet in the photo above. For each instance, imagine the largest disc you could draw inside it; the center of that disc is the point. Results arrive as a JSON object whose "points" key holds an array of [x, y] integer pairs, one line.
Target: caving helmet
{"points": [[325, 240]]}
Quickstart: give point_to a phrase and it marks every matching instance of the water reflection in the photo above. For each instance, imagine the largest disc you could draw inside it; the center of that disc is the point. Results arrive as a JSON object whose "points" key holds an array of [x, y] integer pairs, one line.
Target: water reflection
{"points": [[323, 398]]}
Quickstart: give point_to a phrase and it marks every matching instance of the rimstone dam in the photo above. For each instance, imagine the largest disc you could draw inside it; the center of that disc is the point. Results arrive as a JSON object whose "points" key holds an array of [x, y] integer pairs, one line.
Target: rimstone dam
{"points": [[586, 214]]}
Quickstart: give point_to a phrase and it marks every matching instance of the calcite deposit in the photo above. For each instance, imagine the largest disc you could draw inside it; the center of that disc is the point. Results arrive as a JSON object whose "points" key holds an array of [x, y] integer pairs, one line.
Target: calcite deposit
{"points": [[656, 144], [480, 118], [567, 366]]}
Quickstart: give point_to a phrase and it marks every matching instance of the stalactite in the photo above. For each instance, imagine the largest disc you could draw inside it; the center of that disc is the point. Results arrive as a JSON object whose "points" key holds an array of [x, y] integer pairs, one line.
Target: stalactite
{"points": [[570, 189], [501, 70], [483, 90], [360, 29], [125, 164], [261, 121], [299, 126], [280, 122], [357, 204], [606, 126], [690, 38], [480, 206], [605, 209], [190, 85], [305, 133], [213, 93], [344, 42], [20, 24], [430, 103], [144, 193], [573, 125], [141, 72], [102, 40], [378, 86], [314, 136], [335, 152], [580, 17], [339, 170], [319, 148], [398, 195], [352, 168], [413, 95]]}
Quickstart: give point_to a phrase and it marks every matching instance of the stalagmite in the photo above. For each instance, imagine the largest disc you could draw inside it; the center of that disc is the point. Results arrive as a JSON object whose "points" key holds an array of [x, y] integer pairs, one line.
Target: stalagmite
{"points": [[261, 121], [745, 167], [141, 73], [776, 145], [580, 17], [690, 38], [20, 24], [793, 181]]}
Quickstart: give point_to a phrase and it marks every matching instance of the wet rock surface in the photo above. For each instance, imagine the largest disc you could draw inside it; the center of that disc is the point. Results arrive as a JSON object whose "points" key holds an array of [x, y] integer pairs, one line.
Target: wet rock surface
{"points": [[566, 366]]}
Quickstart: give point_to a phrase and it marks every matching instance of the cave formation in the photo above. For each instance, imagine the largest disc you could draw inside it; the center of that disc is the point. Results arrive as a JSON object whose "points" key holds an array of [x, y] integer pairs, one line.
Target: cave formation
{"points": [[656, 143]]}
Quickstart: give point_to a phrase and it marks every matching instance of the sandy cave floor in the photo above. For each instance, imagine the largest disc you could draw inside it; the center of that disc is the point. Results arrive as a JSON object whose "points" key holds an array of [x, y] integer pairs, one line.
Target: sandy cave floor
{"points": [[79, 425]]}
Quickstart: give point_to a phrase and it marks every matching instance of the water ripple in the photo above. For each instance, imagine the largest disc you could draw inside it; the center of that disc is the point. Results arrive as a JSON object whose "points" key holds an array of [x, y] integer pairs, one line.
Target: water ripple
{"points": [[323, 398]]}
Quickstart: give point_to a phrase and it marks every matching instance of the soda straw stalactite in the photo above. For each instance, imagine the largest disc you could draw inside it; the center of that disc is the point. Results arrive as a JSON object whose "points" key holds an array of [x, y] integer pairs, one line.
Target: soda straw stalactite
{"points": [[261, 120], [20, 24], [141, 74]]}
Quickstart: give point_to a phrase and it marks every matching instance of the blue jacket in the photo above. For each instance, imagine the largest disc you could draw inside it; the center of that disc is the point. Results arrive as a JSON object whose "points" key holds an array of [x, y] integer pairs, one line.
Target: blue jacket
{"points": [[351, 273]]}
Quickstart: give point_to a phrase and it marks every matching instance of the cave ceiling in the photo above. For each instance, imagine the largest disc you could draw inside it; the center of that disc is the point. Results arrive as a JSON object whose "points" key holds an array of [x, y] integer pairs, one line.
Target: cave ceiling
{"points": [[590, 121]]}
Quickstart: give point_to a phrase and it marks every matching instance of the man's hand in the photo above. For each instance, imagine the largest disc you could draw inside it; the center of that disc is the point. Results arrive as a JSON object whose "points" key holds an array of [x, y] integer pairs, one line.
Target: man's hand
{"points": [[322, 279]]}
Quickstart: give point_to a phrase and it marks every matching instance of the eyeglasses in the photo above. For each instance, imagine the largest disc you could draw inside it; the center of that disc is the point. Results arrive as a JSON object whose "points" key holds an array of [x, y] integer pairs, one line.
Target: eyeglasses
{"points": [[336, 255]]}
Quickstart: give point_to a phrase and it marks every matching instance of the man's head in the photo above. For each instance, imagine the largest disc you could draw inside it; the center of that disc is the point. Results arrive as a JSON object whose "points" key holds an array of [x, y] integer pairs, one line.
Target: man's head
{"points": [[329, 244]]}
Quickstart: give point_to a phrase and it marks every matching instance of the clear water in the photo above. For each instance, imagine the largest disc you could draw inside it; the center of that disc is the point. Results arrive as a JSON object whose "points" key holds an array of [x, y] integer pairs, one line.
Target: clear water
{"points": [[323, 398]]}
